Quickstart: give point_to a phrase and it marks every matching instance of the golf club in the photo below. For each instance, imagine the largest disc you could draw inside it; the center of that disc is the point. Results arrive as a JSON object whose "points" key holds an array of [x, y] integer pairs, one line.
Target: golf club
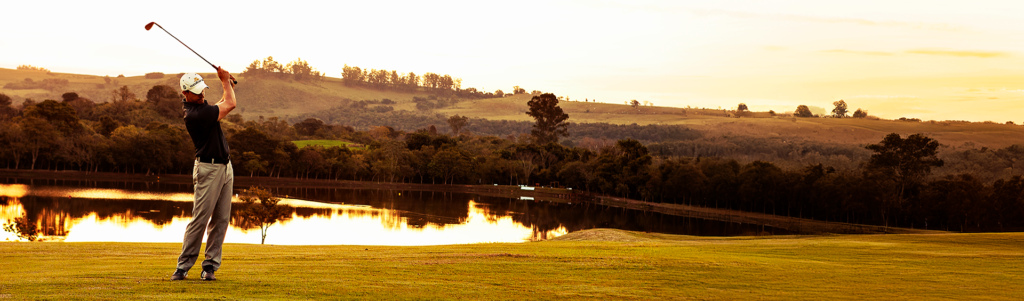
{"points": [[150, 26]]}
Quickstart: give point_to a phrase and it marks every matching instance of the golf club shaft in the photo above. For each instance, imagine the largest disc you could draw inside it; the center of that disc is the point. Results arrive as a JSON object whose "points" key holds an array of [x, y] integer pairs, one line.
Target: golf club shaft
{"points": [[189, 48]]}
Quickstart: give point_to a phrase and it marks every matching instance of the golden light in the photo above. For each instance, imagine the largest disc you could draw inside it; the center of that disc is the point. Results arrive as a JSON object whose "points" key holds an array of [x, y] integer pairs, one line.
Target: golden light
{"points": [[340, 224], [13, 190], [19, 190]]}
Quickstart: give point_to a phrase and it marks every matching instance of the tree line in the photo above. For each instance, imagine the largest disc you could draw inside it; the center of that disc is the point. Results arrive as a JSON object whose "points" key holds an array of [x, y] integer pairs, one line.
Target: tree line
{"points": [[384, 80], [298, 70], [893, 184], [443, 85], [32, 68]]}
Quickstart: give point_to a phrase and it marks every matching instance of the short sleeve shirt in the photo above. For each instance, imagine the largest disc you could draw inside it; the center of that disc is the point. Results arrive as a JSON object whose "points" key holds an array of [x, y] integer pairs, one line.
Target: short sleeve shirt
{"points": [[204, 129]]}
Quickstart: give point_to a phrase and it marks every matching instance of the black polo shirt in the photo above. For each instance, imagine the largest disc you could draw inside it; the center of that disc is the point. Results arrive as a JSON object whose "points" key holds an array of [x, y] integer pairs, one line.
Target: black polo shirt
{"points": [[204, 129]]}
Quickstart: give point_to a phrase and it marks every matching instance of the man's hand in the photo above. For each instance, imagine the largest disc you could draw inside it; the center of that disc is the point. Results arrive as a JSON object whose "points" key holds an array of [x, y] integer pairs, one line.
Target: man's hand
{"points": [[224, 76], [227, 103]]}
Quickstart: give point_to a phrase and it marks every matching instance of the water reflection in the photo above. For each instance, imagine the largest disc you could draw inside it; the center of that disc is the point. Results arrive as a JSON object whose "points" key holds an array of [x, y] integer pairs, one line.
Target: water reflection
{"points": [[70, 215], [153, 212]]}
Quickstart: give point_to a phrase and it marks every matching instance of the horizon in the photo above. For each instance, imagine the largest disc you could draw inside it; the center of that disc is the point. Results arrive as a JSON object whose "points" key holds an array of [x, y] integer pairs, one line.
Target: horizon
{"points": [[910, 59]]}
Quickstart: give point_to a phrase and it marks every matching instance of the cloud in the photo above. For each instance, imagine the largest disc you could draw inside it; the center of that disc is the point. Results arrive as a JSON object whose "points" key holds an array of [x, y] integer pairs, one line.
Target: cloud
{"points": [[858, 52], [962, 53], [954, 53], [804, 18]]}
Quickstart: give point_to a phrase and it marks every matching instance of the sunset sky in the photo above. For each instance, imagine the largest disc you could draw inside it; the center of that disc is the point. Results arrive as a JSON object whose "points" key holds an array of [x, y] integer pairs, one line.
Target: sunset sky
{"points": [[926, 59]]}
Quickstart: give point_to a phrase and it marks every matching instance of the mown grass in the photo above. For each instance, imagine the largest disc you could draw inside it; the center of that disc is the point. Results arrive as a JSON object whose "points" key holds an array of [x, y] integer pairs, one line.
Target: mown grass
{"points": [[594, 264], [327, 143]]}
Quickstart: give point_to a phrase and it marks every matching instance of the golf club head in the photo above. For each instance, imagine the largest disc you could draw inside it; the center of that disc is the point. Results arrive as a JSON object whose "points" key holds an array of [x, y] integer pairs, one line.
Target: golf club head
{"points": [[150, 26]]}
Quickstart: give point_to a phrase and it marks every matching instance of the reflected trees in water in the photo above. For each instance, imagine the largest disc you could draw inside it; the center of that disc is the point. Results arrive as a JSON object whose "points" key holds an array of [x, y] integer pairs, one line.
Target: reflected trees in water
{"points": [[260, 210], [55, 212], [24, 227]]}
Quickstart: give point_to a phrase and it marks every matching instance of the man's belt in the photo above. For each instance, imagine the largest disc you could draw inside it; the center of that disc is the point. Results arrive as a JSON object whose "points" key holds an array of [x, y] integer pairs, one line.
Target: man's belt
{"points": [[212, 160]]}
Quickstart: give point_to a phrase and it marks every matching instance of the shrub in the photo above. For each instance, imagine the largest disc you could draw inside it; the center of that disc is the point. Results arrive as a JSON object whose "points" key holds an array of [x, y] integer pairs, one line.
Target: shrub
{"points": [[860, 113], [803, 111]]}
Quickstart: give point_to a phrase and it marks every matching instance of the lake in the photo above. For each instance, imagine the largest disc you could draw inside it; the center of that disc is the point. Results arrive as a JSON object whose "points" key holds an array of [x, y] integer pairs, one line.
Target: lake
{"points": [[94, 211]]}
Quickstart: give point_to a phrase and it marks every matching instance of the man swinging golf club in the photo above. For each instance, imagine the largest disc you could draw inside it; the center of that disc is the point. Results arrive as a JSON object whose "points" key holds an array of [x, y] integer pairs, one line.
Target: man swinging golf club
{"points": [[212, 174]]}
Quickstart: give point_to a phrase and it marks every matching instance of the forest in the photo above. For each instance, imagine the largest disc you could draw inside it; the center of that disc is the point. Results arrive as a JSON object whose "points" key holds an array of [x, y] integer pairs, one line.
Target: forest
{"points": [[905, 181]]}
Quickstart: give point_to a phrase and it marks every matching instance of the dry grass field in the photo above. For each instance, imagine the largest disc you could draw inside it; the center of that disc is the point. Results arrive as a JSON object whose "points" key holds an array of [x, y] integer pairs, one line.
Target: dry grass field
{"points": [[761, 124], [262, 97], [287, 99]]}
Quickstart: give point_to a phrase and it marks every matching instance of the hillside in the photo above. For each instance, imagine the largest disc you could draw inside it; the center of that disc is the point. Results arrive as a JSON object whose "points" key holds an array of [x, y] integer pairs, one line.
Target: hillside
{"points": [[821, 161], [717, 123], [290, 100], [258, 97]]}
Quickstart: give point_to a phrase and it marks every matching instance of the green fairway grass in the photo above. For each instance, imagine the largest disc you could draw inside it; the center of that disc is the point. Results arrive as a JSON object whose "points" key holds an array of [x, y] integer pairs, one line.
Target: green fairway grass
{"points": [[593, 264], [326, 143]]}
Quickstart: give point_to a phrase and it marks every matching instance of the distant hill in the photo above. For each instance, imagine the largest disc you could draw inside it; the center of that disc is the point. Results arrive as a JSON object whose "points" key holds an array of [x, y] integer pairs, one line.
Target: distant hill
{"points": [[92, 87], [266, 97], [291, 100], [791, 143]]}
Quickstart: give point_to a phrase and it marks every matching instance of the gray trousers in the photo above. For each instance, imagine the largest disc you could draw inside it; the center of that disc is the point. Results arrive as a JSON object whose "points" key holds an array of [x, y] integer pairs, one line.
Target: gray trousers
{"points": [[211, 213]]}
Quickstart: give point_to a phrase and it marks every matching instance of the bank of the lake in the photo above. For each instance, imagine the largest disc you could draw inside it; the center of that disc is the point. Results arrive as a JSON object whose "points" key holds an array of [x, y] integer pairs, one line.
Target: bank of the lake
{"points": [[592, 264], [790, 224]]}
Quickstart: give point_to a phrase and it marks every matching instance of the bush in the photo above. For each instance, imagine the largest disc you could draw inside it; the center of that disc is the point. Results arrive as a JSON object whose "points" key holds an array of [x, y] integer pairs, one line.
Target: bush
{"points": [[424, 106], [69, 96], [803, 111], [154, 75], [860, 114]]}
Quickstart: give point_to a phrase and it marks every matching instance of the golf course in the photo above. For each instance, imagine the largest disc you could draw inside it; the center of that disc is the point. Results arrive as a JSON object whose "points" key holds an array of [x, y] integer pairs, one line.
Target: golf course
{"points": [[475, 150], [591, 264]]}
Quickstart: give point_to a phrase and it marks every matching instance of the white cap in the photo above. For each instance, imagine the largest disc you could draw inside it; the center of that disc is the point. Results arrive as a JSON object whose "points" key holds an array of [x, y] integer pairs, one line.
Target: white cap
{"points": [[193, 82]]}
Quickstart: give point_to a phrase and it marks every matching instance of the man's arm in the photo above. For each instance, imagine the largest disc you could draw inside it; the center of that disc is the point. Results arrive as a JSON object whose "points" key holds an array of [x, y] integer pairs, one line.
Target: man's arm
{"points": [[227, 102]]}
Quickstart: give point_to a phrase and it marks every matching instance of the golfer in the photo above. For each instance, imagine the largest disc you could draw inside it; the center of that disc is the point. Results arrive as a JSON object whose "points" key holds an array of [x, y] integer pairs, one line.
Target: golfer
{"points": [[211, 174]]}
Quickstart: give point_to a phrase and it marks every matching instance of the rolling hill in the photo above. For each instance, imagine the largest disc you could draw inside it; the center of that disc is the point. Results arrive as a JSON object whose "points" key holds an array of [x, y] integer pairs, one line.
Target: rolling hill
{"points": [[288, 99]]}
